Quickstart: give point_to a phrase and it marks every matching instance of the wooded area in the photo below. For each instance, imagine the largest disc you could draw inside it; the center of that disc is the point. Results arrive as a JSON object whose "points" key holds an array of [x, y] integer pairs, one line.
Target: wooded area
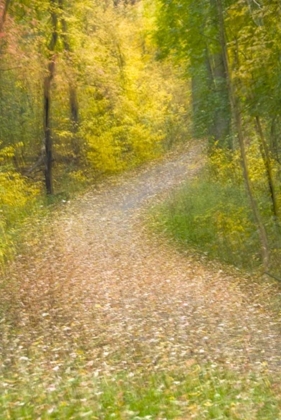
{"points": [[231, 50], [81, 96], [153, 293], [90, 88]]}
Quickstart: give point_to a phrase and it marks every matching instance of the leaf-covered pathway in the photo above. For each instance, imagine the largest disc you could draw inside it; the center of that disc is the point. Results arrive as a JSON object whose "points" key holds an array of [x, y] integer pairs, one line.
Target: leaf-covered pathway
{"points": [[102, 286]]}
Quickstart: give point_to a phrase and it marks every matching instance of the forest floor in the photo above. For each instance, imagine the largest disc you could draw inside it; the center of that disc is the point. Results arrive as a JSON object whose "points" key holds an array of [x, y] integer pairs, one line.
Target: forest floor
{"points": [[100, 282]]}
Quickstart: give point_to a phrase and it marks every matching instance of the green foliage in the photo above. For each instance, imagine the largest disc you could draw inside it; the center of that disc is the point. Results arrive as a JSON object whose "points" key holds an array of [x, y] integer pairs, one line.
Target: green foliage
{"points": [[188, 31], [213, 218], [213, 214], [202, 392], [232, 55]]}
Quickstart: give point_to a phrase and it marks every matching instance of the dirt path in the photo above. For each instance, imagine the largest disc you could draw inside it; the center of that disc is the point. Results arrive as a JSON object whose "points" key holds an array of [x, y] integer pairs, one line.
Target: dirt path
{"points": [[105, 286]]}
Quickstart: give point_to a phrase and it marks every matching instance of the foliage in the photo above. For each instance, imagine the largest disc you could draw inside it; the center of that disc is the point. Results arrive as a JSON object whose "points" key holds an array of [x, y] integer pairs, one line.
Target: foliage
{"points": [[225, 167], [213, 218], [17, 199], [130, 108], [188, 30], [124, 123], [212, 214], [73, 392], [232, 56]]}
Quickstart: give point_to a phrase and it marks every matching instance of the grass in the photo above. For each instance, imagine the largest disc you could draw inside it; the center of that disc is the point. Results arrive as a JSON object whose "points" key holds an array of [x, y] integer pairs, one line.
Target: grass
{"points": [[76, 392], [212, 218], [42, 379], [19, 223]]}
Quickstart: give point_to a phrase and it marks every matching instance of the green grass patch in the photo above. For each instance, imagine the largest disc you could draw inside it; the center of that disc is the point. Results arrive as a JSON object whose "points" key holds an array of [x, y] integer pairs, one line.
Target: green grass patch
{"points": [[212, 218], [76, 392]]}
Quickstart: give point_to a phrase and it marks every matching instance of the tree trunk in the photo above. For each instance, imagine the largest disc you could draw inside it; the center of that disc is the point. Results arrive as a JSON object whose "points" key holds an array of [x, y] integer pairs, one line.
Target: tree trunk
{"points": [[48, 143], [221, 120], [222, 110], [47, 128], [268, 167], [73, 100], [238, 124], [274, 139]]}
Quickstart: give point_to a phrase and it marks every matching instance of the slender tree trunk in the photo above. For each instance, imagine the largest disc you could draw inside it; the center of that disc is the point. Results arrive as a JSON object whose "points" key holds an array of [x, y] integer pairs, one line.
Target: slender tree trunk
{"points": [[195, 99], [274, 139], [48, 143], [238, 123], [73, 99], [268, 167], [47, 128], [221, 109]]}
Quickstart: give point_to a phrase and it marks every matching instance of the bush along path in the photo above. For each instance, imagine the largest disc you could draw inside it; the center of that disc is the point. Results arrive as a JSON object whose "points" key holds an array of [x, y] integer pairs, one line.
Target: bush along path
{"points": [[101, 296]]}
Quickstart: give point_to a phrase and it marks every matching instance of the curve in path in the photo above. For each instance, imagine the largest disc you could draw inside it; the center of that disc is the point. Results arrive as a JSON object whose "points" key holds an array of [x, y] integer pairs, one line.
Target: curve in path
{"points": [[104, 285]]}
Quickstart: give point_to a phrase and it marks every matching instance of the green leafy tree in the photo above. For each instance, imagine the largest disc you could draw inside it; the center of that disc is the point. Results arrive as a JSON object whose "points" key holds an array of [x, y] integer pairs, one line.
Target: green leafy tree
{"points": [[189, 31]]}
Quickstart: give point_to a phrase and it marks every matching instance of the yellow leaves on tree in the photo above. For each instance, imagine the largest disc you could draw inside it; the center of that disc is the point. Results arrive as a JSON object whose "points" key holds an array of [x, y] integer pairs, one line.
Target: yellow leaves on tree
{"points": [[16, 193], [129, 94]]}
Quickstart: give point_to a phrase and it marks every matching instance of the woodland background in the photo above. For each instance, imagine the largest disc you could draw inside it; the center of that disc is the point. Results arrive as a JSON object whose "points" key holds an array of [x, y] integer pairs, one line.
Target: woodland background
{"points": [[99, 318], [81, 96], [93, 88]]}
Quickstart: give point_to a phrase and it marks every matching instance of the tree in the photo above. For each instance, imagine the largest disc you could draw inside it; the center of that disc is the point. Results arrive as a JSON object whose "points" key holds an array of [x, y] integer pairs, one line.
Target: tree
{"points": [[47, 98], [189, 31], [238, 125], [208, 35], [88, 67]]}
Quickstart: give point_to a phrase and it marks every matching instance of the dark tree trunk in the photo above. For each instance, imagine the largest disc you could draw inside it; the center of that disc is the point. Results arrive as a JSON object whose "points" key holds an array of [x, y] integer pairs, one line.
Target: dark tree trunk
{"points": [[47, 128], [48, 143], [268, 167]]}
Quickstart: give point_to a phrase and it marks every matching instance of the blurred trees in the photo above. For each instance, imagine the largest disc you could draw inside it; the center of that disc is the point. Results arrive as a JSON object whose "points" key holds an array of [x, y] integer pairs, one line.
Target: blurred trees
{"points": [[80, 77], [231, 49], [189, 30], [81, 95]]}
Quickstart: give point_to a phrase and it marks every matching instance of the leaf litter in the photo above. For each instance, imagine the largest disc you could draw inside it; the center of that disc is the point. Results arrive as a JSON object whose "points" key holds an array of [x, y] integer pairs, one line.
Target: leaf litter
{"points": [[100, 287]]}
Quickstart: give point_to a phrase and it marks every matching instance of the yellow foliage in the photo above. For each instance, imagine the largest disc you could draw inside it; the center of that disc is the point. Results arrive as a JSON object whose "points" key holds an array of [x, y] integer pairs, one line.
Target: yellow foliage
{"points": [[16, 198], [78, 176], [15, 195], [225, 165], [105, 152], [130, 101], [233, 224]]}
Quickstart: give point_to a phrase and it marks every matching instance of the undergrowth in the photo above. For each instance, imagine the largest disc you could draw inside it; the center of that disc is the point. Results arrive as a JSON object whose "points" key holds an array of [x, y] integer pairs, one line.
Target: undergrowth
{"points": [[213, 218], [76, 392], [213, 215], [24, 211]]}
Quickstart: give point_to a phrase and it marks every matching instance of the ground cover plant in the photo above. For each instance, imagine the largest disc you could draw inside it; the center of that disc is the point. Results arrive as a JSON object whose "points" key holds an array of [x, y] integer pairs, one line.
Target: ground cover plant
{"points": [[75, 391], [212, 213], [212, 218]]}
